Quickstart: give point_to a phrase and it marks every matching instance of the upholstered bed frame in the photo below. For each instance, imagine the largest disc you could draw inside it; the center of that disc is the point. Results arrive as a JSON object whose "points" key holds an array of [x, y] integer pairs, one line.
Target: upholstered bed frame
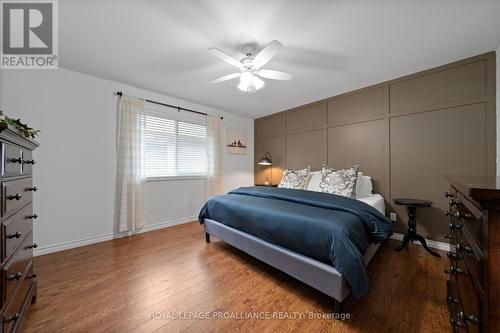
{"points": [[314, 273]]}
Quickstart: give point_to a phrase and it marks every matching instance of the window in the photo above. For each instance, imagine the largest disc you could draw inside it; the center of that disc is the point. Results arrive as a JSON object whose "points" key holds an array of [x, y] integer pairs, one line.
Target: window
{"points": [[174, 147]]}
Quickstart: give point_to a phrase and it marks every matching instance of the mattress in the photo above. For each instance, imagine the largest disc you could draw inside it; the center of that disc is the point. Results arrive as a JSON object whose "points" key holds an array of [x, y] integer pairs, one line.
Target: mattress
{"points": [[376, 201]]}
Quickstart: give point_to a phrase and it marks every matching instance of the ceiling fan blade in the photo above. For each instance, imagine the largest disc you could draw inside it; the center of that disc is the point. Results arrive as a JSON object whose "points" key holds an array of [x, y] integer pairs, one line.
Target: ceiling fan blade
{"points": [[226, 57], [267, 53], [226, 77], [275, 75]]}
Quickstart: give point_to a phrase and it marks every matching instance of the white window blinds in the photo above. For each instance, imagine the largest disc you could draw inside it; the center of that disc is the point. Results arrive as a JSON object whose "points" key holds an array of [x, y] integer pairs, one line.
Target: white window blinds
{"points": [[174, 147]]}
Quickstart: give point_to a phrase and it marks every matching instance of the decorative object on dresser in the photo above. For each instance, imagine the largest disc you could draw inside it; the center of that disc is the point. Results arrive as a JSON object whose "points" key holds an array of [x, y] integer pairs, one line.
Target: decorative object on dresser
{"points": [[473, 287], [18, 278], [23, 129], [411, 234]]}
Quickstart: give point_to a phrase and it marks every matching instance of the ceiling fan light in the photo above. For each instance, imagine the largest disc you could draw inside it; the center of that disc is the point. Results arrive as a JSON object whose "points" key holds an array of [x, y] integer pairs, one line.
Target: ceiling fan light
{"points": [[250, 83], [246, 78], [243, 86], [257, 82]]}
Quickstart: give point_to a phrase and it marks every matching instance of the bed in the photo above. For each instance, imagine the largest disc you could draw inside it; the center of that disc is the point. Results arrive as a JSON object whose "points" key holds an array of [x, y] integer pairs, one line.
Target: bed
{"points": [[251, 219]]}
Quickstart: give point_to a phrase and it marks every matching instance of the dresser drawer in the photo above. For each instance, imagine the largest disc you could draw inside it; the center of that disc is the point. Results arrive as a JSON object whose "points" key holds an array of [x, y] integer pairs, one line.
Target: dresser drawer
{"points": [[461, 308], [464, 271], [471, 299], [17, 269], [472, 216], [12, 160], [28, 162], [453, 305], [15, 228], [16, 194], [15, 312]]}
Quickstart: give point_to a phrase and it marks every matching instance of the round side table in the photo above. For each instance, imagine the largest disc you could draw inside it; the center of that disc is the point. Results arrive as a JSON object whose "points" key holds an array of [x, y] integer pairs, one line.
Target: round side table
{"points": [[411, 235]]}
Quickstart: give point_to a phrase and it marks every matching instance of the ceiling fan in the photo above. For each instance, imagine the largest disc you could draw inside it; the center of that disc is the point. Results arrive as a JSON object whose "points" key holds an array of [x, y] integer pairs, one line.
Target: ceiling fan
{"points": [[251, 65]]}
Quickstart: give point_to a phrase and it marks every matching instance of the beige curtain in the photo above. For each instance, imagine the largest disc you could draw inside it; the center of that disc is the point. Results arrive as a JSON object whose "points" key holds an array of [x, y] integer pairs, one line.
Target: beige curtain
{"points": [[130, 202], [214, 182]]}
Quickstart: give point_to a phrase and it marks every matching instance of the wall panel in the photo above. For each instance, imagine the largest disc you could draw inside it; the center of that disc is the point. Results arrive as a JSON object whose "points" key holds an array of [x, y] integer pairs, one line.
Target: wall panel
{"points": [[425, 146], [454, 84], [306, 148], [273, 125], [364, 105], [363, 144], [311, 116]]}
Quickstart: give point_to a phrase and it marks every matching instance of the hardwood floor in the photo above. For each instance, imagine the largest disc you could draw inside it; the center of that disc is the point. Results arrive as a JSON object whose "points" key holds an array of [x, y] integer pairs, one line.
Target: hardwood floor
{"points": [[151, 283]]}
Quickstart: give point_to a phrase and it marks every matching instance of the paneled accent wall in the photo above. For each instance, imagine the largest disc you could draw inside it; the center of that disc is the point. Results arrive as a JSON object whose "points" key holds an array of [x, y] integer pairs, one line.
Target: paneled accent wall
{"points": [[405, 133]]}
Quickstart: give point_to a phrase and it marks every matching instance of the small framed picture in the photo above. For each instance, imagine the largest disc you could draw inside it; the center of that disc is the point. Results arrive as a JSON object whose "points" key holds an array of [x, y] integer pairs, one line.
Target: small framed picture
{"points": [[236, 141]]}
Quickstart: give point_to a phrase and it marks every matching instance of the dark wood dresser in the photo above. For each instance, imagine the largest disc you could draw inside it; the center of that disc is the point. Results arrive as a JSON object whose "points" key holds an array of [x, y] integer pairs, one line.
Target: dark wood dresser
{"points": [[473, 287], [18, 278]]}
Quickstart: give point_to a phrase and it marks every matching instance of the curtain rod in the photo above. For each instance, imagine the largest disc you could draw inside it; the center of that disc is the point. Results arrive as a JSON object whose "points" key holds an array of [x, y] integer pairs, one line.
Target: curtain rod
{"points": [[120, 94]]}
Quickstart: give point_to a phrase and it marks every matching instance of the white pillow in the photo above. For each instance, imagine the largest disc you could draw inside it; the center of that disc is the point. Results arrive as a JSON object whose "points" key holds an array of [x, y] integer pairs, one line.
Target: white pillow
{"points": [[364, 186], [313, 181]]}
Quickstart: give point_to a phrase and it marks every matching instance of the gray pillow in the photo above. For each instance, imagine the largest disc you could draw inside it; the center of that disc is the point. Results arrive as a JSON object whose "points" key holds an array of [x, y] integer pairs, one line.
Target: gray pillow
{"points": [[296, 179], [340, 182]]}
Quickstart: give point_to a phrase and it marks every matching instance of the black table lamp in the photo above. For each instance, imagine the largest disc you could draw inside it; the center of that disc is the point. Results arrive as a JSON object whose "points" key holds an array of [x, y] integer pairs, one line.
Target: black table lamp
{"points": [[267, 161]]}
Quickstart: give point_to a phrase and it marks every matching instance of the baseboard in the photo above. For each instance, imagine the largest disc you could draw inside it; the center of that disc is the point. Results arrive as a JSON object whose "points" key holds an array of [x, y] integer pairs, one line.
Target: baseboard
{"points": [[102, 238], [430, 243]]}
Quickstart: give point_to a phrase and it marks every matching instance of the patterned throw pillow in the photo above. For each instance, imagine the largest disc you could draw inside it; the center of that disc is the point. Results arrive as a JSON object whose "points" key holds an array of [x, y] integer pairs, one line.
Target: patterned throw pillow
{"points": [[296, 179], [340, 182]]}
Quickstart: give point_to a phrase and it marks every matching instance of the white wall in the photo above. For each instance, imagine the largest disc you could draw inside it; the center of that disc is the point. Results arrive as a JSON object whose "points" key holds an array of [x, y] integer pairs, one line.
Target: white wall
{"points": [[75, 168]]}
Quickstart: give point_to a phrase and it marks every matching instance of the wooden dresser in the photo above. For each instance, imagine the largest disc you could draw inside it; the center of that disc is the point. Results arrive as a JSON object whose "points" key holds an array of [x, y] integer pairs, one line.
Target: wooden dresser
{"points": [[18, 278], [473, 287]]}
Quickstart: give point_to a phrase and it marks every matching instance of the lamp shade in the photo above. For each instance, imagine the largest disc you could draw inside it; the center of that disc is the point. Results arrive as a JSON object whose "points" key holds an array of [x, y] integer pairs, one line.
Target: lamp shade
{"points": [[266, 160]]}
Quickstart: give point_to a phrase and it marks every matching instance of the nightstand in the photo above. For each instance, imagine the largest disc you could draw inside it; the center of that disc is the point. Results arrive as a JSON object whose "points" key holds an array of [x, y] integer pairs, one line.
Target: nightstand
{"points": [[411, 234], [270, 185]]}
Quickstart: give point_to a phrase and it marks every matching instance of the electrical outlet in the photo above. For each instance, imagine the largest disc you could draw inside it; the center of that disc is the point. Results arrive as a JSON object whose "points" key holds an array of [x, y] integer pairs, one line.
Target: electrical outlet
{"points": [[393, 217]]}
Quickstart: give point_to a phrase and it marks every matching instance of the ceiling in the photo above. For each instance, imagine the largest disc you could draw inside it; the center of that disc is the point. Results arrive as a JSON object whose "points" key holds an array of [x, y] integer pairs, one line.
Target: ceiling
{"points": [[330, 46]]}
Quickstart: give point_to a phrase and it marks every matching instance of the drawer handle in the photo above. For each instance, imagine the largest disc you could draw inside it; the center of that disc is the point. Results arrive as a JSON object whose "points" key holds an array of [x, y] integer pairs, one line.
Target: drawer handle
{"points": [[16, 276], [16, 235], [464, 248], [34, 246], [32, 276], [456, 214], [34, 216], [471, 318], [33, 189], [29, 162], [17, 196], [455, 226], [448, 195], [453, 270], [17, 160], [13, 318], [455, 323]]}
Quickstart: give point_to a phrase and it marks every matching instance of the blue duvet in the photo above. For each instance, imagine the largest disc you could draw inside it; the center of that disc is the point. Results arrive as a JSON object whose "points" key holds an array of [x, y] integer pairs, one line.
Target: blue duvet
{"points": [[326, 227]]}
